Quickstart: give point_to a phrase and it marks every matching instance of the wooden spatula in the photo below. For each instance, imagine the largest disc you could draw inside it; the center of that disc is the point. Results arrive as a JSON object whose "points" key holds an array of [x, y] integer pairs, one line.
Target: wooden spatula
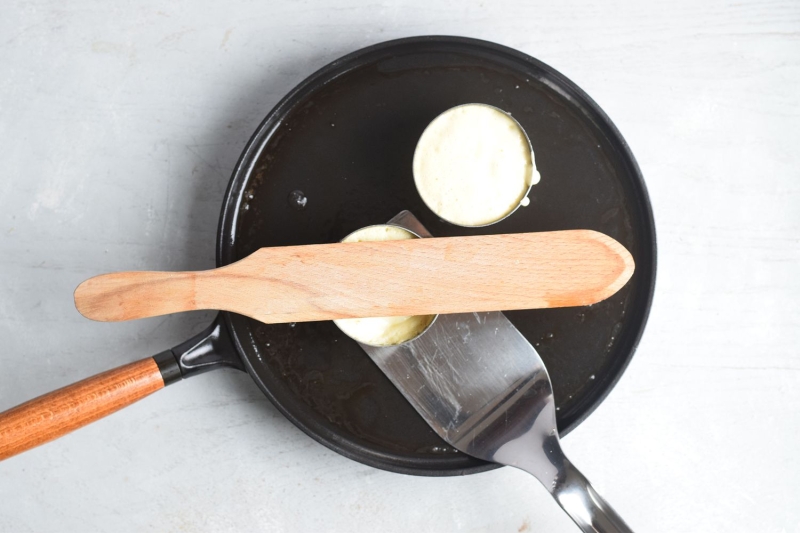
{"points": [[389, 278]]}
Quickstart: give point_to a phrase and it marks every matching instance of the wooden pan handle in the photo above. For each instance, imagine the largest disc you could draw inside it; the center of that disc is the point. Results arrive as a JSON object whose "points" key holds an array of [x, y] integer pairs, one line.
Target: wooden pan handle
{"points": [[55, 414]]}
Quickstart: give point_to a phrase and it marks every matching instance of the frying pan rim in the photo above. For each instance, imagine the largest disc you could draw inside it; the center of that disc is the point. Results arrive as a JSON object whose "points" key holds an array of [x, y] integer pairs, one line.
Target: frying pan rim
{"points": [[226, 237]]}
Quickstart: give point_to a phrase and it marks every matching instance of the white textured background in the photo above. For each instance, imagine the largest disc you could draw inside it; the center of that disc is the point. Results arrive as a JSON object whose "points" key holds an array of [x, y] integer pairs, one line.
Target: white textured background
{"points": [[119, 125]]}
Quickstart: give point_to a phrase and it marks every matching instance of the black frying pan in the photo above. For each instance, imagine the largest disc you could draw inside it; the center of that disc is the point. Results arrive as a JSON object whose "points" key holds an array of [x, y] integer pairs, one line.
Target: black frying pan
{"points": [[344, 139]]}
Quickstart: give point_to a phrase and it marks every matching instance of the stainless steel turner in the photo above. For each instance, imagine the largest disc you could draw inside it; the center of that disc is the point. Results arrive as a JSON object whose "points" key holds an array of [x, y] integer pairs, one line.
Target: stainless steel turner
{"points": [[483, 388]]}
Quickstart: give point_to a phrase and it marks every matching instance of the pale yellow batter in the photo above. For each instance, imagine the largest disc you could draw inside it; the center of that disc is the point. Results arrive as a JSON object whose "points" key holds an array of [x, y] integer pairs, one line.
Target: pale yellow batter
{"points": [[473, 165], [390, 330]]}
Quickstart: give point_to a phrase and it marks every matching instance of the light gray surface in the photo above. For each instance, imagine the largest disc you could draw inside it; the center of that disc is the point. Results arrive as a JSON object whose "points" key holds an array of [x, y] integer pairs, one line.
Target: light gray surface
{"points": [[119, 125]]}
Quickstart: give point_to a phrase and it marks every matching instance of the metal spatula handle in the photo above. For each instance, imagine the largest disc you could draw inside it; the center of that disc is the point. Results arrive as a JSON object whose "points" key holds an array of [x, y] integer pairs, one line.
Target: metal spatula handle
{"points": [[582, 503]]}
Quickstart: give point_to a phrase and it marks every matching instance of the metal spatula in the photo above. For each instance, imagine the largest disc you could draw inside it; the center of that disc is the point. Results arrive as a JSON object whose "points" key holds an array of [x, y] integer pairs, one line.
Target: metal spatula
{"points": [[483, 388]]}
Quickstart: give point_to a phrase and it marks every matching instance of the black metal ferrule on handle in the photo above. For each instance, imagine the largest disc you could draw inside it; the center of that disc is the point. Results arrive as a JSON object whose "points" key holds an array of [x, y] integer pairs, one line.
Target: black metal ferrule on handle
{"points": [[168, 365]]}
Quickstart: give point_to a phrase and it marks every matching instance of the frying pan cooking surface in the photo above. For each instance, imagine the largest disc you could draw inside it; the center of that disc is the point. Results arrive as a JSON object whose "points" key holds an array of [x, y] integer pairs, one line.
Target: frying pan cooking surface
{"points": [[344, 141]]}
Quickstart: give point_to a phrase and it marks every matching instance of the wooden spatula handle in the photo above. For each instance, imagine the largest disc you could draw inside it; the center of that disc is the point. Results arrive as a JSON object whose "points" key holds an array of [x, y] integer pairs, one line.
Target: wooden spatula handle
{"points": [[131, 295], [55, 414]]}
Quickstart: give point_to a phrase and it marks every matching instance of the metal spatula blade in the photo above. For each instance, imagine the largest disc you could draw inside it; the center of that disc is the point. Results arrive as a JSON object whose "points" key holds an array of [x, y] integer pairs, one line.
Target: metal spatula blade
{"points": [[483, 388]]}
